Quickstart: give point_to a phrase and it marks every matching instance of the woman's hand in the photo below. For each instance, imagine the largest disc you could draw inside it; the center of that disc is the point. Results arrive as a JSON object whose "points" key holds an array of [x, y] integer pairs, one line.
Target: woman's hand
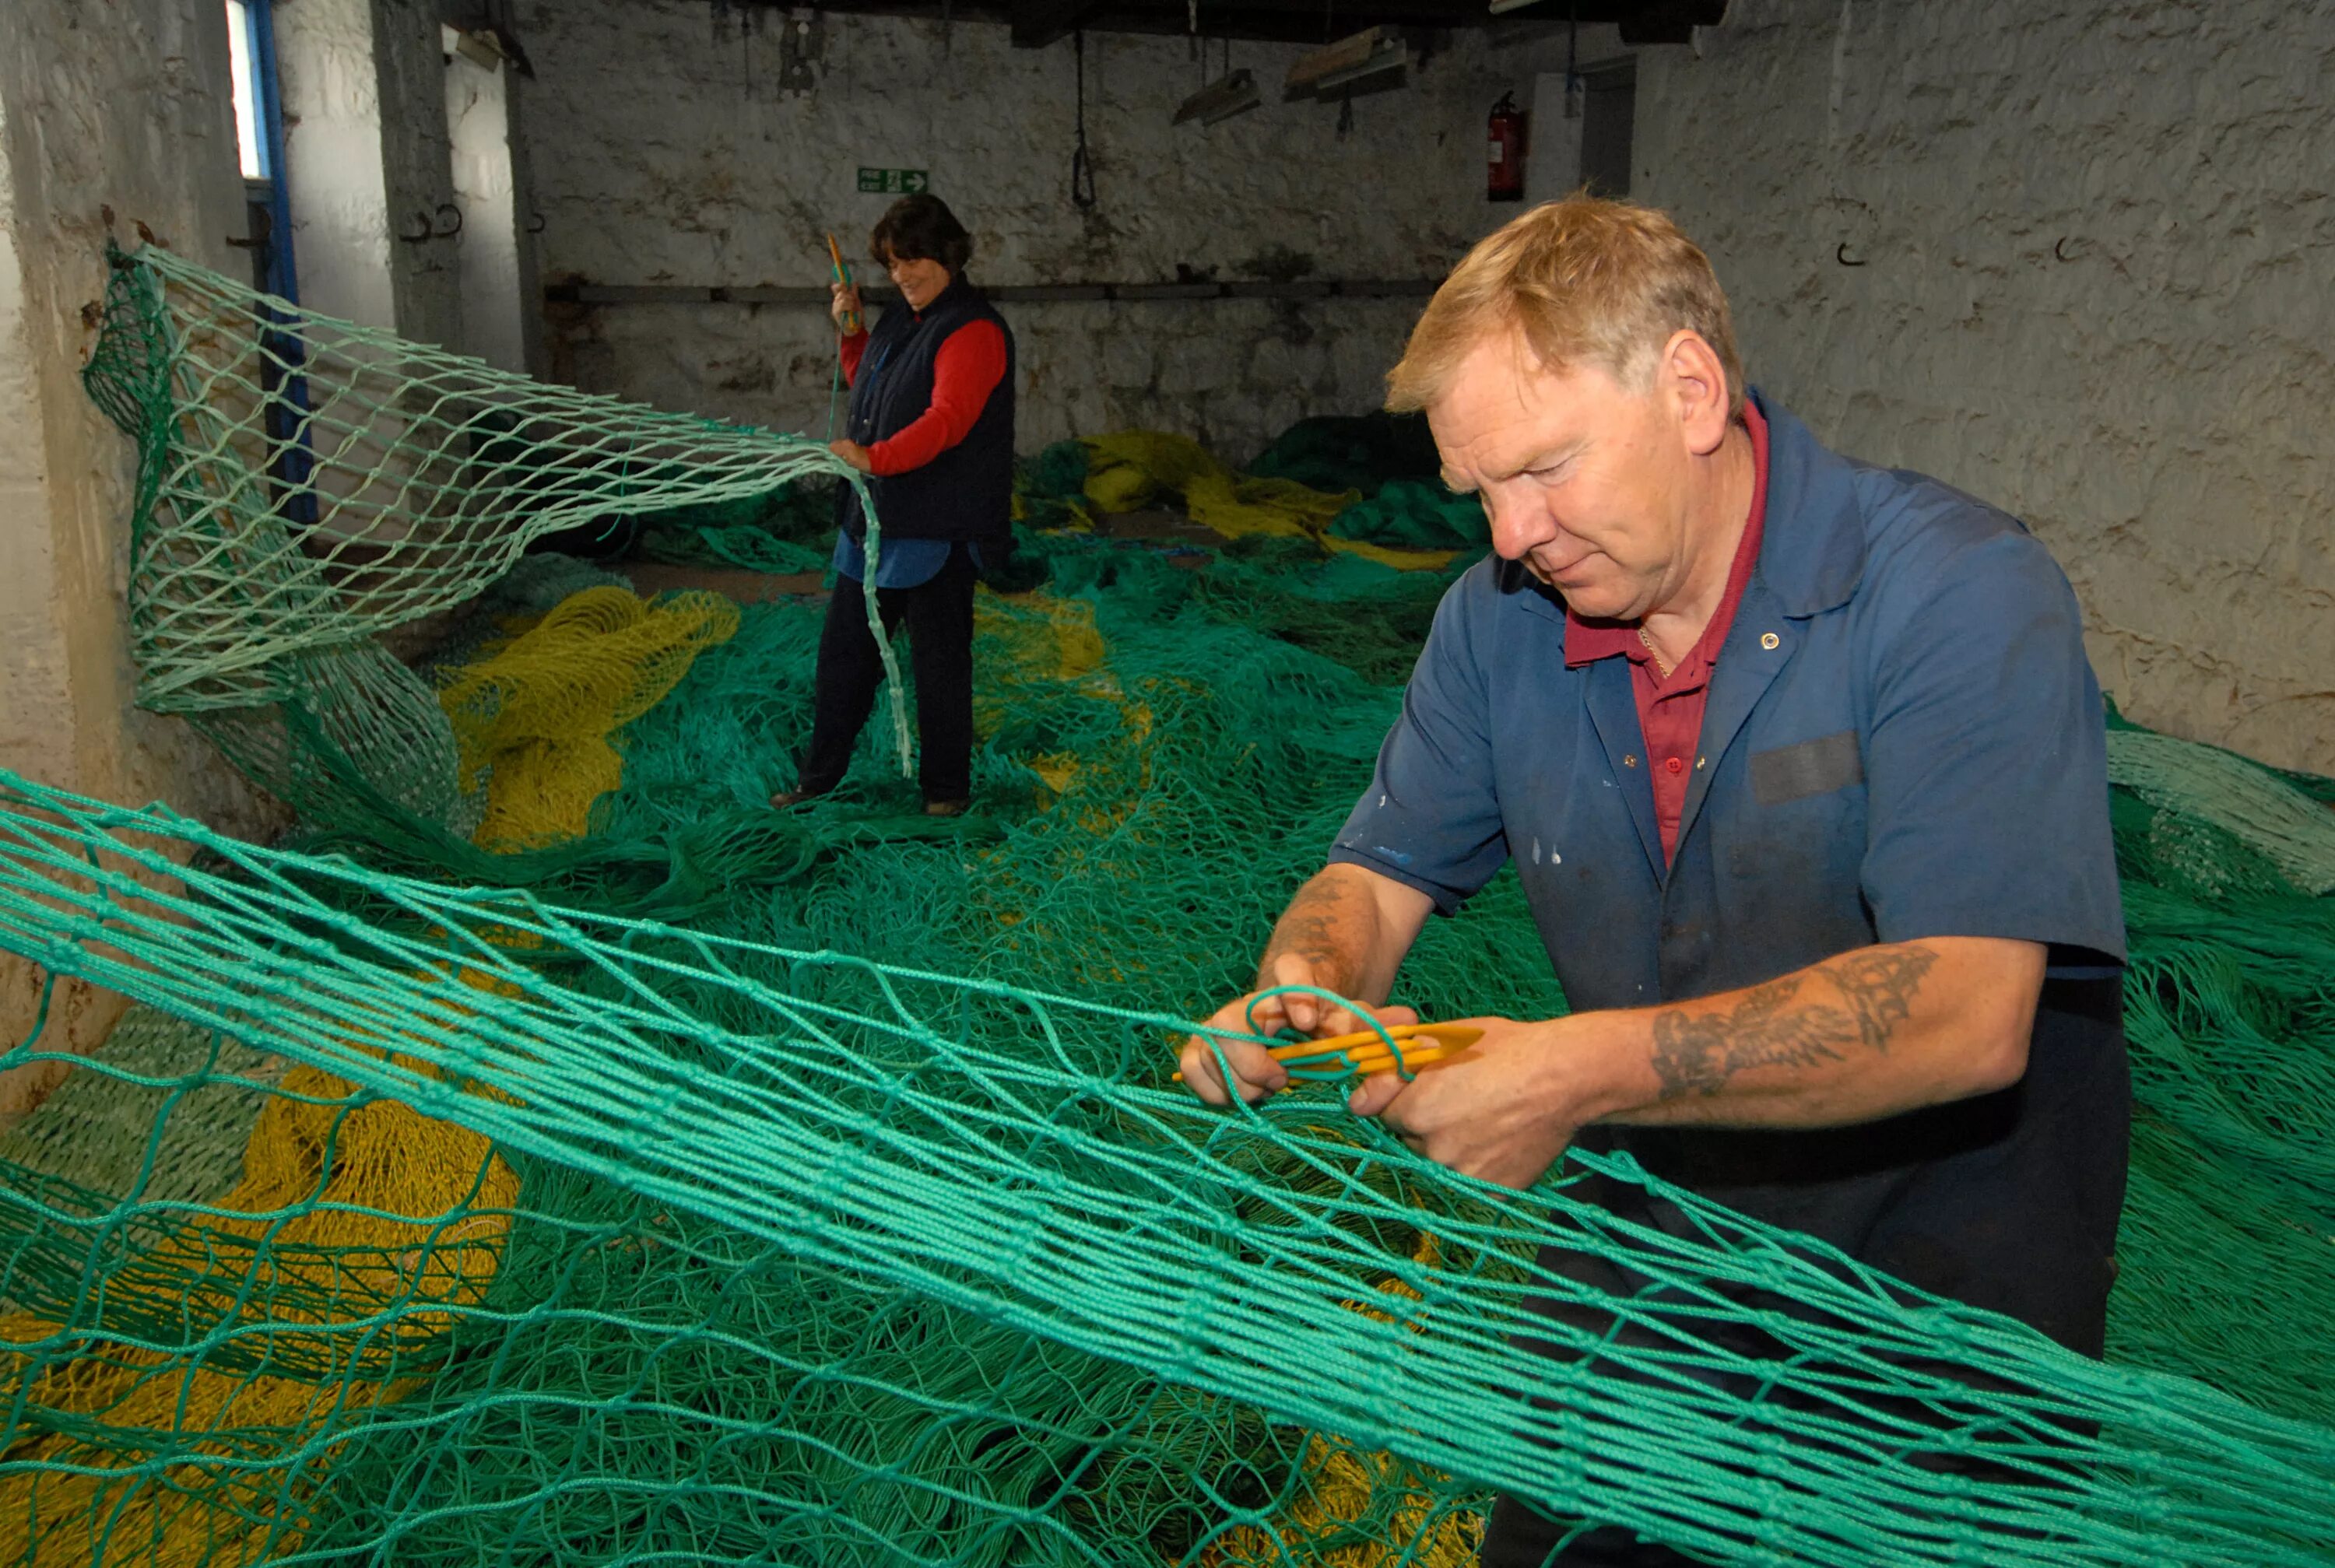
{"points": [[844, 302], [854, 454]]}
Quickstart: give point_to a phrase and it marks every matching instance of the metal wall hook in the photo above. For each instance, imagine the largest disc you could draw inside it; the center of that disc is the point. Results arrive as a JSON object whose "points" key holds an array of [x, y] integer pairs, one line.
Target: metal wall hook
{"points": [[421, 227], [2059, 248], [535, 224], [445, 209], [1840, 254]]}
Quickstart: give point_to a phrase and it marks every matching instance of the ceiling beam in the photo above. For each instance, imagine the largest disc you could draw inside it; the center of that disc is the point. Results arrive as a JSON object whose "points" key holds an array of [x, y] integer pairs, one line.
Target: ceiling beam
{"points": [[1038, 23]]}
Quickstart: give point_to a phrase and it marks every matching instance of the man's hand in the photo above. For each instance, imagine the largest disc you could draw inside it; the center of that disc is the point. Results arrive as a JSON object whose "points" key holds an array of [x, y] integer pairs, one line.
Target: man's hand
{"points": [[854, 454], [1504, 1109], [1255, 1074], [1344, 932], [1874, 1033]]}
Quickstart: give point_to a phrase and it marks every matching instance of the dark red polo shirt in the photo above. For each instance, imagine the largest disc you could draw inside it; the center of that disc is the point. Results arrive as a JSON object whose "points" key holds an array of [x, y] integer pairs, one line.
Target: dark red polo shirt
{"points": [[1670, 708]]}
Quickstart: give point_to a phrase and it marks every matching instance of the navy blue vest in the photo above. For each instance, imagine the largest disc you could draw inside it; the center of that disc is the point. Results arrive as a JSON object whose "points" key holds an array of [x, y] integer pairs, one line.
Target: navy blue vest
{"points": [[967, 491]]}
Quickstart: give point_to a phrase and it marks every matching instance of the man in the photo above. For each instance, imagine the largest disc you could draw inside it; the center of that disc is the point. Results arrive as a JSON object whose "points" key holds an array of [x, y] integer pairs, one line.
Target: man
{"points": [[1801, 764]]}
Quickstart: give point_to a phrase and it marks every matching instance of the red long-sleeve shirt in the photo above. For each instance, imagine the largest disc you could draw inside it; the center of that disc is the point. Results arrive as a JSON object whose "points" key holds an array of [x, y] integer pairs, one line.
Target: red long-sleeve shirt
{"points": [[967, 368]]}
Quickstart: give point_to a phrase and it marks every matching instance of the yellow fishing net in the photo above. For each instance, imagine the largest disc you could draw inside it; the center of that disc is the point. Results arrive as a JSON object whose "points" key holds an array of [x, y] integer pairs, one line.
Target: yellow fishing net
{"points": [[1129, 469], [359, 1179], [533, 717], [341, 1196]]}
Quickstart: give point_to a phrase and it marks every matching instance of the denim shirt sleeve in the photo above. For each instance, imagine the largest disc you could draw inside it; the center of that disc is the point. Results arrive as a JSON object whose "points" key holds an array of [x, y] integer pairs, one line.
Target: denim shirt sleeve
{"points": [[1431, 816], [1988, 812]]}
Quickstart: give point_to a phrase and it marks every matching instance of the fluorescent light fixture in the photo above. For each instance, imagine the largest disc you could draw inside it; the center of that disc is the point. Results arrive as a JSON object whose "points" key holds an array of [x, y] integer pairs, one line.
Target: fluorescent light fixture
{"points": [[1233, 93], [248, 148], [481, 48], [1391, 54], [1502, 7], [1307, 70]]}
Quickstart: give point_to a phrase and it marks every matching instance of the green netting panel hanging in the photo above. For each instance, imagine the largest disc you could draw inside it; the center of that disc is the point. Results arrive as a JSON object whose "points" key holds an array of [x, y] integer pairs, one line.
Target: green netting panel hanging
{"points": [[895, 1266], [305, 484]]}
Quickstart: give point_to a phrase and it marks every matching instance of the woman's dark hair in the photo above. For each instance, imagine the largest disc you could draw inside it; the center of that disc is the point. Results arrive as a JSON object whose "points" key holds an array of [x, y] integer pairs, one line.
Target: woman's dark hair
{"points": [[921, 228]]}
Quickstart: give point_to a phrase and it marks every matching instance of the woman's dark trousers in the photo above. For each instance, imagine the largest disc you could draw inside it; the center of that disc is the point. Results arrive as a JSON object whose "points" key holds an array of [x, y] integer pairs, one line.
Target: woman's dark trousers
{"points": [[938, 616]]}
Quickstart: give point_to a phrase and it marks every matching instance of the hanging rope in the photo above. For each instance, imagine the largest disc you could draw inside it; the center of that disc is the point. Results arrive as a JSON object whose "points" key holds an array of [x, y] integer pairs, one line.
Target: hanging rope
{"points": [[1083, 188]]}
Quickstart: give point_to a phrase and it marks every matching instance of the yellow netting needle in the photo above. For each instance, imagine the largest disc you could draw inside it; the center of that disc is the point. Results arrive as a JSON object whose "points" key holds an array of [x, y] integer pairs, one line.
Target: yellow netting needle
{"points": [[1367, 1051], [850, 323]]}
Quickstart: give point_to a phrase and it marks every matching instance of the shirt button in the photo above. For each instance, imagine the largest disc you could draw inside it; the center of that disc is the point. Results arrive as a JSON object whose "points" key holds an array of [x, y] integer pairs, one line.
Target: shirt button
{"points": [[1675, 765]]}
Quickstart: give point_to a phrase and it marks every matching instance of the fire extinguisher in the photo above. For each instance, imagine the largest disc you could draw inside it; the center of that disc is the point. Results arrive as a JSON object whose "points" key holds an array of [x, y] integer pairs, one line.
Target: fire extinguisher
{"points": [[1504, 179]]}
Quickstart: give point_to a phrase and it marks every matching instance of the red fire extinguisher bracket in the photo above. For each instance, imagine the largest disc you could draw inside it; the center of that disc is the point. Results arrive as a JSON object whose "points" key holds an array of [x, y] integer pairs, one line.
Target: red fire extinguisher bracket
{"points": [[1503, 177]]}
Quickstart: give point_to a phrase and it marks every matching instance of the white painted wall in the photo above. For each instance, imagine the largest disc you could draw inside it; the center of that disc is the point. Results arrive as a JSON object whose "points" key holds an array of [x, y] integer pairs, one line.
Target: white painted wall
{"points": [[2154, 403], [478, 115], [368, 164], [341, 228], [133, 114], [1549, 178], [665, 154], [534, 348]]}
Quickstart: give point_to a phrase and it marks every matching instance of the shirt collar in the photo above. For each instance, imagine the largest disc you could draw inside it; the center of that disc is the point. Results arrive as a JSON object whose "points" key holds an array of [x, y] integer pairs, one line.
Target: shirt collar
{"points": [[1812, 554], [1585, 641]]}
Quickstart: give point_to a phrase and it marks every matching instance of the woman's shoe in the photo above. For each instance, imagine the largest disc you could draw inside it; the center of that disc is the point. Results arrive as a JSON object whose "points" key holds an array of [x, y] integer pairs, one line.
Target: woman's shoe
{"points": [[785, 798], [946, 807]]}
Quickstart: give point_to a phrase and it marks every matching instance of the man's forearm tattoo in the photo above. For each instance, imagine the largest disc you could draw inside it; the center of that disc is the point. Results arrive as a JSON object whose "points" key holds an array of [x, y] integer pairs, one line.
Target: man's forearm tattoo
{"points": [[1307, 929], [1774, 1025]]}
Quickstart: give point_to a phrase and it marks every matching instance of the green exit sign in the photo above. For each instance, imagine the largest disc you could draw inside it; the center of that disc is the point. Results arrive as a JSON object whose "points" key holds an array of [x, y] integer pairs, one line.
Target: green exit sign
{"points": [[895, 181]]}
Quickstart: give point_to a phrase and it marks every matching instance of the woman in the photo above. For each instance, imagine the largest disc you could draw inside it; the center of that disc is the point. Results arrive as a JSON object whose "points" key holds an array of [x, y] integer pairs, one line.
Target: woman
{"points": [[932, 426]]}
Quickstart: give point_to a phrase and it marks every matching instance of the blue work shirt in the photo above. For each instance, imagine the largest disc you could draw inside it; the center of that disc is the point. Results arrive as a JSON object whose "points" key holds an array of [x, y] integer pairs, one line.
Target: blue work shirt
{"points": [[1904, 739]]}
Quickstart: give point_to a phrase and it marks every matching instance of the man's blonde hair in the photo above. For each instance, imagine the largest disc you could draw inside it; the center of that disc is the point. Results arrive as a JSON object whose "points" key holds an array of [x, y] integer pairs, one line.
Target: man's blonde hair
{"points": [[1580, 281]]}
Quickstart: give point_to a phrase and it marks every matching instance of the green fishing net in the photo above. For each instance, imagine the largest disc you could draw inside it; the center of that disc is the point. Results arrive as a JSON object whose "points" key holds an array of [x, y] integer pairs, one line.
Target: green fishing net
{"points": [[790, 529], [725, 1186], [307, 484]]}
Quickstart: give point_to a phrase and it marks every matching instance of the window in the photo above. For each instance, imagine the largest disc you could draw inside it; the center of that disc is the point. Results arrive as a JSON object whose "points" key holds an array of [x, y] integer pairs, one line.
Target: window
{"points": [[249, 149]]}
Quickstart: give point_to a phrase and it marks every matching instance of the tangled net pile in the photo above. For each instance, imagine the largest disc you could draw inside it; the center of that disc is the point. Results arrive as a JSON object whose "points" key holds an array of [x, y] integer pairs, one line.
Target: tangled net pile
{"points": [[606, 1201]]}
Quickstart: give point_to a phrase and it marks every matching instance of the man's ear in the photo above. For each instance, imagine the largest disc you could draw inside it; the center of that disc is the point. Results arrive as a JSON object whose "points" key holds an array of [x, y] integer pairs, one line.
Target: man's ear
{"points": [[1688, 373]]}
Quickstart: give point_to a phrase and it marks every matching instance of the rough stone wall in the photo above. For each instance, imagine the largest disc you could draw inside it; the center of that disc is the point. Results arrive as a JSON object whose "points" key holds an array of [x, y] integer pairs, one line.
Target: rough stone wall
{"points": [[2093, 245], [129, 111], [665, 153]]}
